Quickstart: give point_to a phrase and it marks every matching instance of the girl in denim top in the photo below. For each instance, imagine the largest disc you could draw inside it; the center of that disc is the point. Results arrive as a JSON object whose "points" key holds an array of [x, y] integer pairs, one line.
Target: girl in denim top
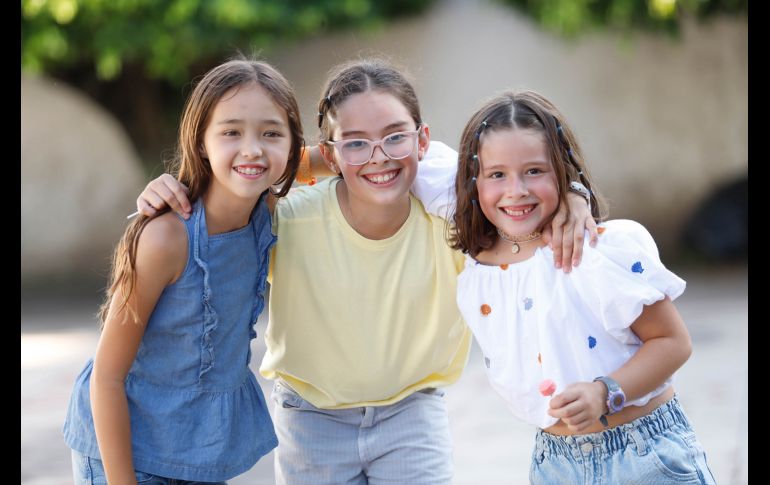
{"points": [[169, 394]]}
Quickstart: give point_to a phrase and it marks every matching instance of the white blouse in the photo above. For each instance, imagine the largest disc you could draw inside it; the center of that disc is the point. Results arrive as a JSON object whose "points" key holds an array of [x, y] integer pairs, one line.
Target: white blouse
{"points": [[534, 322]]}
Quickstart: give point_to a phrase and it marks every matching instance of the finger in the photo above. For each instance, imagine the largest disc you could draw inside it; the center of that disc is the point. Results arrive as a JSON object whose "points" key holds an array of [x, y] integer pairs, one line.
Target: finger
{"points": [[179, 191], [567, 245], [577, 249], [556, 246], [144, 208], [168, 197], [593, 232]]}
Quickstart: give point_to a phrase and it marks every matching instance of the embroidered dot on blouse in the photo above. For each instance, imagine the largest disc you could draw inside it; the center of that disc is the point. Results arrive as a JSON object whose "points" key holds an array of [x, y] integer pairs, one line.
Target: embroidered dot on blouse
{"points": [[486, 309], [591, 342], [504, 266], [539, 359], [637, 267], [600, 230], [486, 362], [527, 303]]}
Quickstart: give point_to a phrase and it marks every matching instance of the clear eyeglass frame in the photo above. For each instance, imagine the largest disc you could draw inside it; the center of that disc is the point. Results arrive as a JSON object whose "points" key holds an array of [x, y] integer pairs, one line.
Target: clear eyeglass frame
{"points": [[358, 151]]}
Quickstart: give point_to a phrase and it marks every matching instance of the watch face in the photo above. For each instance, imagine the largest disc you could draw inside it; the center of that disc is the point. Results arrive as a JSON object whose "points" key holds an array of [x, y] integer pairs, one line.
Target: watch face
{"points": [[615, 401]]}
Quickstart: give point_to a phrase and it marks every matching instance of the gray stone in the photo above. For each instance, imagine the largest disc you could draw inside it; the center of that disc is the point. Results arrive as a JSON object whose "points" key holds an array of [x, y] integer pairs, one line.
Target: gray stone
{"points": [[80, 176]]}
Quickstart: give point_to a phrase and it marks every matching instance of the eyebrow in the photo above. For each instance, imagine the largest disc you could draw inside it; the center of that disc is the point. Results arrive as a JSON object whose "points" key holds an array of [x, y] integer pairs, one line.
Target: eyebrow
{"points": [[397, 124], [495, 166], [235, 121]]}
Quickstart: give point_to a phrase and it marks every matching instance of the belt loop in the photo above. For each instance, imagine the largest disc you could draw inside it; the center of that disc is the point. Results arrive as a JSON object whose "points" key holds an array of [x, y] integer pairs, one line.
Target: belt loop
{"points": [[639, 440]]}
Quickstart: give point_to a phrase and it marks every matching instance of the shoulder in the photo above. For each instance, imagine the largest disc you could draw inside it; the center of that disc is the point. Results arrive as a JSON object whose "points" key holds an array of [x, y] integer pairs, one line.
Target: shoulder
{"points": [[305, 201], [620, 231], [162, 245]]}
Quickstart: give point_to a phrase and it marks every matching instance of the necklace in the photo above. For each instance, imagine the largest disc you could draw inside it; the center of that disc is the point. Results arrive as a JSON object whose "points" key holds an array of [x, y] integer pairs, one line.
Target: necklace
{"points": [[515, 240]]}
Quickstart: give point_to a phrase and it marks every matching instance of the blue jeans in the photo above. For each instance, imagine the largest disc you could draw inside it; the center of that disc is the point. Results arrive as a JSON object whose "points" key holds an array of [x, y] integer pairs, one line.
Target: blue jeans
{"points": [[90, 471], [407, 442], [659, 448]]}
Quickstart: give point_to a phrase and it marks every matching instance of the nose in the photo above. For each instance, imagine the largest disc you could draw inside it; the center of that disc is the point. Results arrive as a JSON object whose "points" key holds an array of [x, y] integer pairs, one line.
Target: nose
{"points": [[518, 187], [378, 154], [251, 148]]}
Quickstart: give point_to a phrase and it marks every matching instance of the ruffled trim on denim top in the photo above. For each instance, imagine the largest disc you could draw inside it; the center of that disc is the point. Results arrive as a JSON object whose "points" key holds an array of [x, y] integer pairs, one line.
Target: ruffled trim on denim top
{"points": [[261, 225]]}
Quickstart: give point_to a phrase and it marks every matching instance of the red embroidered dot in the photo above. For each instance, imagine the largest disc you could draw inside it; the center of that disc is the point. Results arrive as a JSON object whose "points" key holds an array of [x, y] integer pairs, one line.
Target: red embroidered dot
{"points": [[312, 181], [601, 230], [486, 309], [504, 266]]}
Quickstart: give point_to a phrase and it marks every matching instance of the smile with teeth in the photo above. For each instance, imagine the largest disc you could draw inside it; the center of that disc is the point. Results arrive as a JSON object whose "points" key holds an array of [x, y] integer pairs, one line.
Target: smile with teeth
{"points": [[381, 178], [518, 212], [249, 170]]}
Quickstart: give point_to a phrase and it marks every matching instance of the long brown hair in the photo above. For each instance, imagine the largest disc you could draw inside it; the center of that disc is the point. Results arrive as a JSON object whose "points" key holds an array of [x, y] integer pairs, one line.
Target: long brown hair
{"points": [[192, 169], [471, 231], [360, 76]]}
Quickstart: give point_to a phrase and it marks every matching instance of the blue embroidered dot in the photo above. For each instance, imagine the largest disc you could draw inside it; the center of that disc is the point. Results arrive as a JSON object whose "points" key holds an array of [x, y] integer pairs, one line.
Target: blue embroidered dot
{"points": [[637, 267], [591, 342], [486, 361], [527, 303]]}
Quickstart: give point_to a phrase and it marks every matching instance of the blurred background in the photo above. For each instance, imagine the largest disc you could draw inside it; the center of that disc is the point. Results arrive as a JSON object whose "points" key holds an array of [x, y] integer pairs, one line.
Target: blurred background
{"points": [[656, 90]]}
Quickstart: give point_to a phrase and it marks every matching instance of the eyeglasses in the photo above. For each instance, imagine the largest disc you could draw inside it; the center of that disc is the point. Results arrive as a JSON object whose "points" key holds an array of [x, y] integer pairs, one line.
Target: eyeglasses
{"points": [[358, 151]]}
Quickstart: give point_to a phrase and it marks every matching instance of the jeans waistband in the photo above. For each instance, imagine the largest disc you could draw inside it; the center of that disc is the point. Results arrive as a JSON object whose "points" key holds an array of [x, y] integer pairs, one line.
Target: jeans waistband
{"points": [[636, 433]]}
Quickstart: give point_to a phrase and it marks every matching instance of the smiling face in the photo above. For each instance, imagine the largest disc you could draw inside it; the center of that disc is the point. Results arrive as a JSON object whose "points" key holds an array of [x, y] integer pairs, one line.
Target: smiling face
{"points": [[517, 185], [381, 181], [247, 142]]}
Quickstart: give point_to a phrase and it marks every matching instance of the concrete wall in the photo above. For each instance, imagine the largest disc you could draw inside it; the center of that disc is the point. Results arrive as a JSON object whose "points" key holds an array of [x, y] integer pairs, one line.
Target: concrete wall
{"points": [[661, 120]]}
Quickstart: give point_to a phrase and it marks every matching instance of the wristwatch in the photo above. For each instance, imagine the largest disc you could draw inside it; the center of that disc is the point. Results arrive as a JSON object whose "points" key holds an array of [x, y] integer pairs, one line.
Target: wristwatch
{"points": [[581, 189], [616, 398]]}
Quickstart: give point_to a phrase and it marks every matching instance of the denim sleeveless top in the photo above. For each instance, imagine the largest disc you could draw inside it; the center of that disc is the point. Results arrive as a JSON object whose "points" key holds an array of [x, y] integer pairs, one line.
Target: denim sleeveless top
{"points": [[197, 412]]}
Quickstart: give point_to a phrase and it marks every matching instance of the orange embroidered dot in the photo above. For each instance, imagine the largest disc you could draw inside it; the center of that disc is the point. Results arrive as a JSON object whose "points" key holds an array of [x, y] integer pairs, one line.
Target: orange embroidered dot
{"points": [[601, 230], [539, 360], [486, 309], [504, 266]]}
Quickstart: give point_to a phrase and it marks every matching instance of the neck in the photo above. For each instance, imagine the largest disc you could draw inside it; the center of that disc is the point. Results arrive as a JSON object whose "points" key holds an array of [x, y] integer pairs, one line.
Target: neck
{"points": [[226, 214], [372, 221]]}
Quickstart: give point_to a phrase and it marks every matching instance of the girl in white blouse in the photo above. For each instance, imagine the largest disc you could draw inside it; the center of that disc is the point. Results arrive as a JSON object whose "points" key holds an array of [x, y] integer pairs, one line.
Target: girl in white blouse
{"points": [[606, 334]]}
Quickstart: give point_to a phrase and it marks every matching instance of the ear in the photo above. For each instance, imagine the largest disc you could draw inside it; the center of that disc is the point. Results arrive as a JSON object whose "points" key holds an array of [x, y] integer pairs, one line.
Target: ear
{"points": [[423, 142], [202, 152], [327, 152]]}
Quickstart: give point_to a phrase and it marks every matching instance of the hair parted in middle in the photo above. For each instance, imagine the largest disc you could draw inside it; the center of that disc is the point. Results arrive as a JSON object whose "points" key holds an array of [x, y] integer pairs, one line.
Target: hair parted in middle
{"points": [[471, 232], [360, 76], [192, 169]]}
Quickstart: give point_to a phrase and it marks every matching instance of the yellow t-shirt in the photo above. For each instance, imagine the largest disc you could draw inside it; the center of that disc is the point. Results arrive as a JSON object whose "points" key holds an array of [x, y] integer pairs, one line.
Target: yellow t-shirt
{"points": [[358, 322]]}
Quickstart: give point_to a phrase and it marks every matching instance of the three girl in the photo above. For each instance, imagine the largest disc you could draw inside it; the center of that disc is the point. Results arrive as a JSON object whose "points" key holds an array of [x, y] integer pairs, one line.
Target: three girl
{"points": [[607, 335], [364, 330], [169, 395]]}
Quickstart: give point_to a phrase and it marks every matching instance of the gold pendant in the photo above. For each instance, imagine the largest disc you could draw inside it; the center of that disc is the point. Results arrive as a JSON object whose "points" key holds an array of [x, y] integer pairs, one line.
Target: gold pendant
{"points": [[515, 248]]}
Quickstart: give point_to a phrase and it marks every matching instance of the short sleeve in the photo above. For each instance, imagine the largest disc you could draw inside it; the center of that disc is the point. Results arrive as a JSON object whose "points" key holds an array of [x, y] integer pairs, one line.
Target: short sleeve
{"points": [[622, 275], [435, 181]]}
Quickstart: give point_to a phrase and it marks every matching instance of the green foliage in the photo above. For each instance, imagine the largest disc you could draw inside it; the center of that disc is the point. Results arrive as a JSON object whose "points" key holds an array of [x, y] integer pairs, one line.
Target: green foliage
{"points": [[572, 17], [167, 37]]}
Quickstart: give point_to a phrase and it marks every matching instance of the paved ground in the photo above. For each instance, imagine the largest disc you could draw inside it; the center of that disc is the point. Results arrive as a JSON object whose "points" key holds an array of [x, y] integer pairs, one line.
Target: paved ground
{"points": [[490, 447]]}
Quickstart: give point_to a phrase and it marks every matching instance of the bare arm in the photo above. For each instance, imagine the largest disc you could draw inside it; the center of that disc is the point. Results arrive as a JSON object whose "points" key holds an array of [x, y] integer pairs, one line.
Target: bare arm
{"points": [[666, 347], [161, 256], [566, 233]]}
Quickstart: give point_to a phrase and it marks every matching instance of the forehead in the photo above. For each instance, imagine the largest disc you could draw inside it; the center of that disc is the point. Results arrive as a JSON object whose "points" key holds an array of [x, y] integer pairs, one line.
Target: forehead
{"points": [[512, 145], [248, 101], [370, 111]]}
